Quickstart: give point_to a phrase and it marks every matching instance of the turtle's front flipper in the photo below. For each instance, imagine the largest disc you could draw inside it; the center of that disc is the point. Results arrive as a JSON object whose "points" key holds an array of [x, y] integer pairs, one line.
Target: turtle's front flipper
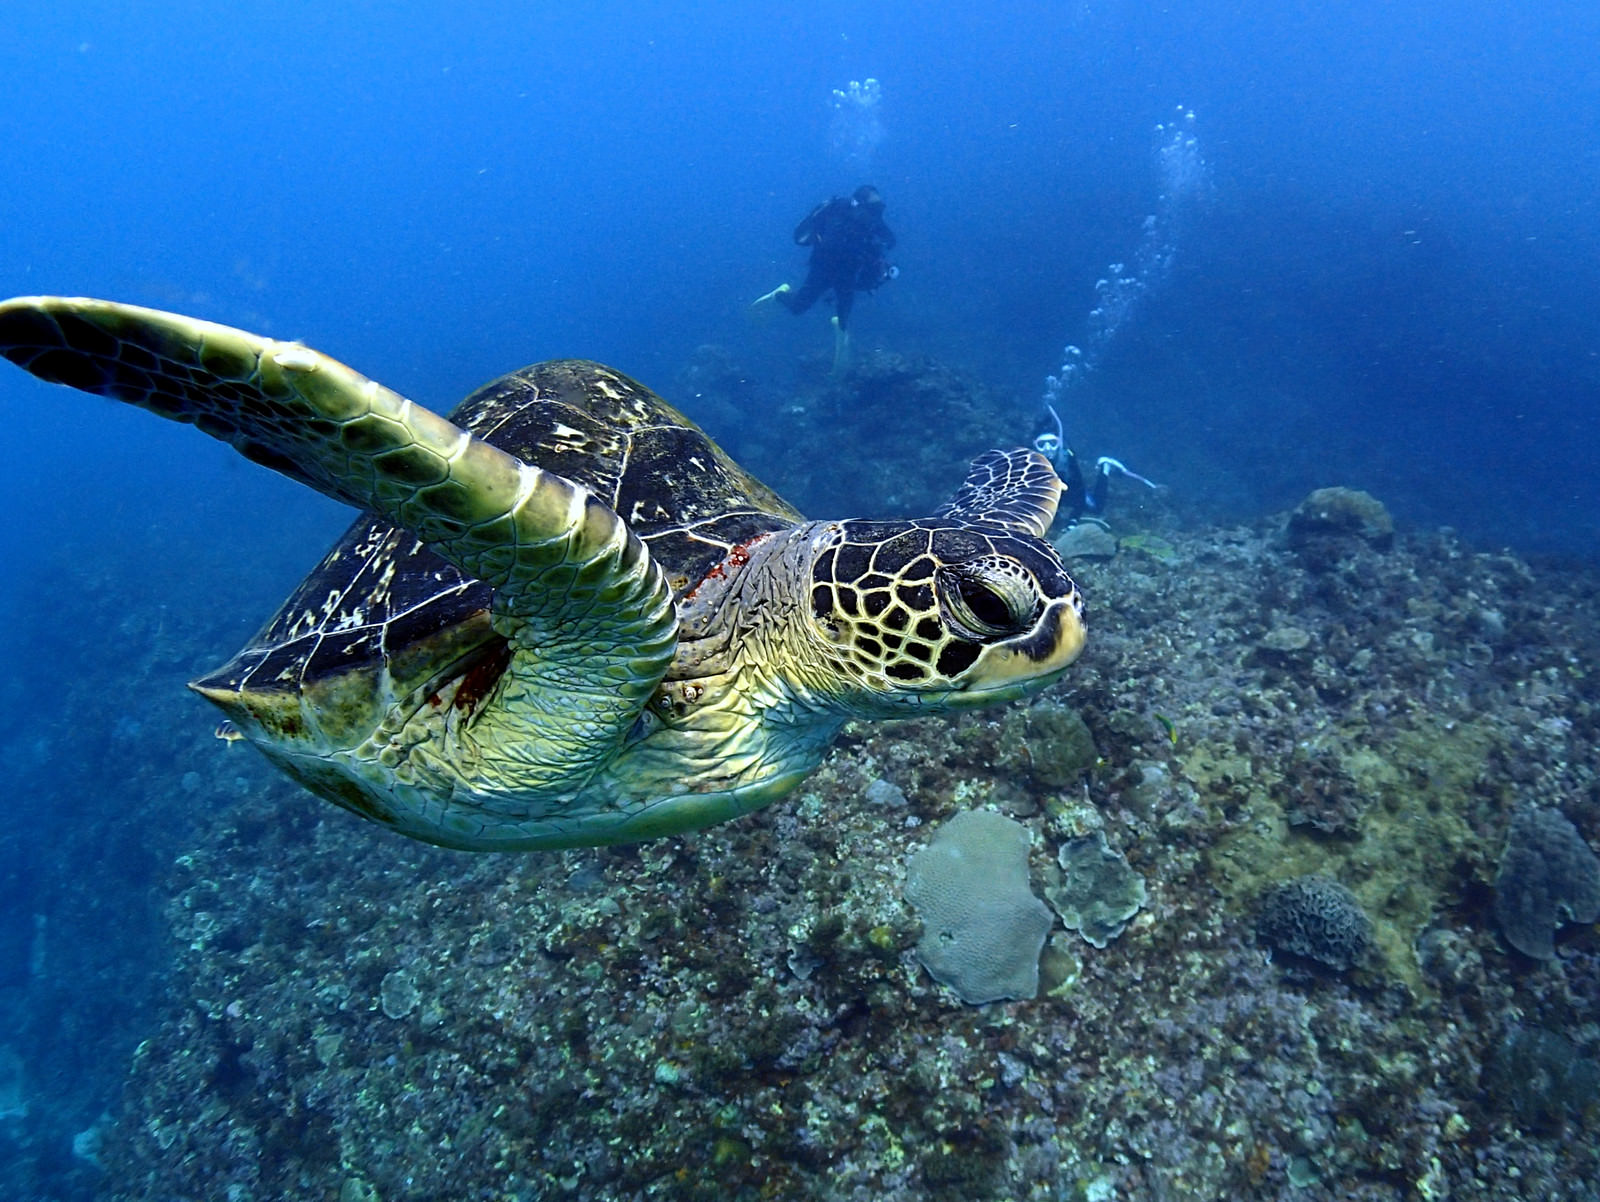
{"points": [[1016, 489], [278, 403], [588, 611]]}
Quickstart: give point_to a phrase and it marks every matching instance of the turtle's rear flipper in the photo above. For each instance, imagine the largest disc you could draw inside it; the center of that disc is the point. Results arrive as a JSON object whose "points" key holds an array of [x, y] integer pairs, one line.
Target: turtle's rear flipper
{"points": [[576, 591]]}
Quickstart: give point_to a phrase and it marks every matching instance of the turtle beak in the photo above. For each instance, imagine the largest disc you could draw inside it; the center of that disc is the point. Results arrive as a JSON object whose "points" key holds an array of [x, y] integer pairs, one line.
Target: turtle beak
{"points": [[1035, 658]]}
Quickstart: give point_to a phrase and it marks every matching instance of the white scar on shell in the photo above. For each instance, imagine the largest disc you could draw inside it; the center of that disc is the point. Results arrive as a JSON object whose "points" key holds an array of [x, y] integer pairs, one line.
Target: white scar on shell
{"points": [[295, 358]]}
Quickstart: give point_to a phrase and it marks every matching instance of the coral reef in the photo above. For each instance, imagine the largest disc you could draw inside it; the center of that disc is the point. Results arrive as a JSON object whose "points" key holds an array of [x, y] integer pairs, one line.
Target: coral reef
{"points": [[893, 437], [1059, 746], [1547, 876], [1330, 520], [741, 1013], [1096, 893], [1316, 919], [983, 928], [1540, 1079]]}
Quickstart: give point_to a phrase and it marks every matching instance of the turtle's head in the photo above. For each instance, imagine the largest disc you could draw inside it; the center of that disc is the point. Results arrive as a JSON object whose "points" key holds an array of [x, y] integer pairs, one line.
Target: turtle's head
{"points": [[942, 613]]}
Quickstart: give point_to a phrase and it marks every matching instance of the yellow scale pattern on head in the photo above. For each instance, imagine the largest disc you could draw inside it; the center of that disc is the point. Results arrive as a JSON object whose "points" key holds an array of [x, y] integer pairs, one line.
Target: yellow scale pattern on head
{"points": [[879, 598]]}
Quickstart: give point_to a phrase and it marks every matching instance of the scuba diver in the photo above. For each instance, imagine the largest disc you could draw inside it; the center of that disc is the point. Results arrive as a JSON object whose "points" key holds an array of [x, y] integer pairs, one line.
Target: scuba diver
{"points": [[849, 254], [1082, 504]]}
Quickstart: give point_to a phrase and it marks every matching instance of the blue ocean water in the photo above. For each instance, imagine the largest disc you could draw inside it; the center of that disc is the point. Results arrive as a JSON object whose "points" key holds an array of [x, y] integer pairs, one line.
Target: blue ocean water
{"points": [[1381, 273], [1391, 267]]}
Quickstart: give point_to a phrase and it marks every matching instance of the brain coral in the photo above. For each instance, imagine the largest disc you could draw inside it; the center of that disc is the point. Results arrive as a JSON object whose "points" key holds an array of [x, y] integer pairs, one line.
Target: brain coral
{"points": [[1547, 875], [1317, 918], [982, 927], [1341, 512]]}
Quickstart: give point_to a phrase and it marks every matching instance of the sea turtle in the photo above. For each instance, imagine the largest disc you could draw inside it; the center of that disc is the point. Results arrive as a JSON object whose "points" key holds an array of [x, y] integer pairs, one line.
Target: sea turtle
{"points": [[566, 617]]}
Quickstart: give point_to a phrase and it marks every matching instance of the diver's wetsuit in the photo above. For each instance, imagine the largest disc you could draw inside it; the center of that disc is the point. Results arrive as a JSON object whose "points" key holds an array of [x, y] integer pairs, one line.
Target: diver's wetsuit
{"points": [[849, 253]]}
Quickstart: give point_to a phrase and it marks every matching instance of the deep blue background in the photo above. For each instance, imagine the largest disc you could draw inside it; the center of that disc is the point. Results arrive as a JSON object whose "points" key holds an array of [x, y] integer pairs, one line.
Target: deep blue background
{"points": [[1390, 287], [1391, 284], [1397, 264]]}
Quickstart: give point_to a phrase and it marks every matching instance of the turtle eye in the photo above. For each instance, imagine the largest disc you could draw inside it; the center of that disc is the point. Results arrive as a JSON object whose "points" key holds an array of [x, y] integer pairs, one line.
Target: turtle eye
{"points": [[985, 607]]}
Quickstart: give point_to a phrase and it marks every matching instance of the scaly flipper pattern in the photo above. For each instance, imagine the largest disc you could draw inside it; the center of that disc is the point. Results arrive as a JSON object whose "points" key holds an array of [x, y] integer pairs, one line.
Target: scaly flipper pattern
{"points": [[589, 614]]}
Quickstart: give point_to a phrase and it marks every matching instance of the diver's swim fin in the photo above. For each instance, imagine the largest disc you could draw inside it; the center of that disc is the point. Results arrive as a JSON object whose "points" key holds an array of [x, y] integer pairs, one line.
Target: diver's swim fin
{"points": [[762, 306], [841, 347]]}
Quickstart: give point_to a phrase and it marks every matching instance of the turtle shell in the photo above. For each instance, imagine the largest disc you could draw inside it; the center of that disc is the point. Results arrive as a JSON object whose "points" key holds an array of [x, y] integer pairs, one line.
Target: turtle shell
{"points": [[381, 605]]}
